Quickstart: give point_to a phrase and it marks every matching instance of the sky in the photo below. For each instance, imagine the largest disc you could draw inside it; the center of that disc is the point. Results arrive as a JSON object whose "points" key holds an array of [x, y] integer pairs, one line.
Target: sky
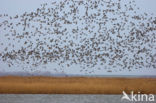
{"points": [[13, 7], [19, 7]]}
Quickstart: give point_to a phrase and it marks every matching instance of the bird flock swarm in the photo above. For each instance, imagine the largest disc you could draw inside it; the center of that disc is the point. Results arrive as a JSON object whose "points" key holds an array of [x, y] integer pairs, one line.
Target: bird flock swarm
{"points": [[87, 33]]}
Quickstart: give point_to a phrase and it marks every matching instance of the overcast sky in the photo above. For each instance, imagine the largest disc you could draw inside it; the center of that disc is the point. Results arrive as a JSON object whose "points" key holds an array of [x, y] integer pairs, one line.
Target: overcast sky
{"points": [[14, 7]]}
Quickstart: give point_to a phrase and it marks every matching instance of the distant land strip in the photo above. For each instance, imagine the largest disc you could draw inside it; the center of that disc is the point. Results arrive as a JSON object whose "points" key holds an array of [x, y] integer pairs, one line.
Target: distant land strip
{"points": [[75, 85]]}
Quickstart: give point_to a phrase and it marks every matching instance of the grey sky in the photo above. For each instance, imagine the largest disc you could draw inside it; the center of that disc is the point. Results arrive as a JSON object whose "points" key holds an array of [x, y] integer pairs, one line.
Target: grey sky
{"points": [[14, 7]]}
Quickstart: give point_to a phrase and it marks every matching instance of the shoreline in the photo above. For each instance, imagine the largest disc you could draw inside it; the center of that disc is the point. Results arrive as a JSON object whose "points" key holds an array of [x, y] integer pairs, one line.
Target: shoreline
{"points": [[75, 85]]}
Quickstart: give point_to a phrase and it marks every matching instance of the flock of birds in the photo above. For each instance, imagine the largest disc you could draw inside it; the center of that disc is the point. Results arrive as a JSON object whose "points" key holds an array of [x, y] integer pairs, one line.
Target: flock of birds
{"points": [[88, 33]]}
